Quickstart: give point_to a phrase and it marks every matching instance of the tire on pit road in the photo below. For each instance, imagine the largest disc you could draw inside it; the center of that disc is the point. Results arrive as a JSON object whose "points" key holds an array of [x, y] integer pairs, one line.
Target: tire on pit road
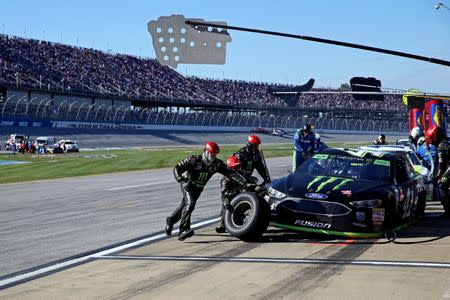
{"points": [[249, 217]]}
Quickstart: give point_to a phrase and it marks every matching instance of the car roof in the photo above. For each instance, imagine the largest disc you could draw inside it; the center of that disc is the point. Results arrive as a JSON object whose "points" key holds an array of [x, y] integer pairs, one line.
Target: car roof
{"points": [[388, 148], [363, 153]]}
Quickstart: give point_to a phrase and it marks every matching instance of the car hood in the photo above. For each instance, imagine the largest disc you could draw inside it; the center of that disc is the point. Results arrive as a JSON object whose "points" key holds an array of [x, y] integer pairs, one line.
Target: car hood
{"points": [[323, 187]]}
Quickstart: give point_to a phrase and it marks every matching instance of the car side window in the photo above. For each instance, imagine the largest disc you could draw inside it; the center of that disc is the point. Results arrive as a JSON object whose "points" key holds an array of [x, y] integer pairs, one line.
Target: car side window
{"points": [[402, 173]]}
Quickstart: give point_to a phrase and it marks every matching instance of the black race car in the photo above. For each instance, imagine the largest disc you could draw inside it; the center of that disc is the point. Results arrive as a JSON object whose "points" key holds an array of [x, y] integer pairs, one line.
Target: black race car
{"points": [[337, 192]]}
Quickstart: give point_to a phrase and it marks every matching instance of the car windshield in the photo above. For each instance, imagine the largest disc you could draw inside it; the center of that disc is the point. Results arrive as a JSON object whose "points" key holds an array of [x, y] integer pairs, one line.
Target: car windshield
{"points": [[69, 143], [41, 141], [347, 166], [414, 159]]}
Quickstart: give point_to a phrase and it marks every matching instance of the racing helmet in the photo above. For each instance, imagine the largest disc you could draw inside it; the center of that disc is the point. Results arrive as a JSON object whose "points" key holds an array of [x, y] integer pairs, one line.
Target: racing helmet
{"points": [[233, 163], [253, 140], [307, 128], [433, 135], [415, 132], [210, 151]]}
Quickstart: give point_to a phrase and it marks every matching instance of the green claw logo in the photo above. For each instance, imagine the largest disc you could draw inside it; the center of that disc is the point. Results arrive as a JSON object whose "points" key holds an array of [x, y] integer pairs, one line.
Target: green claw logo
{"points": [[340, 182]]}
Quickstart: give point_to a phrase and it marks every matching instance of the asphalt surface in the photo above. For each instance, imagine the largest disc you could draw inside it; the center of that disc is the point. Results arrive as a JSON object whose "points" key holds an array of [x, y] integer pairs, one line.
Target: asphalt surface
{"points": [[49, 220]]}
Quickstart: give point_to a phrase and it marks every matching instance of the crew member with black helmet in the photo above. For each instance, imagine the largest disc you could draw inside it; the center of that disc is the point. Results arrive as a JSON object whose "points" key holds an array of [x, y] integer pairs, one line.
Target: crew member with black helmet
{"points": [[193, 173], [251, 158], [304, 143], [229, 189], [438, 138]]}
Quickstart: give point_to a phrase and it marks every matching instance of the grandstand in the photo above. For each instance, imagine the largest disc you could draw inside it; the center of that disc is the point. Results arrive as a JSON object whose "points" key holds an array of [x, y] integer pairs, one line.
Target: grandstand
{"points": [[44, 80]]}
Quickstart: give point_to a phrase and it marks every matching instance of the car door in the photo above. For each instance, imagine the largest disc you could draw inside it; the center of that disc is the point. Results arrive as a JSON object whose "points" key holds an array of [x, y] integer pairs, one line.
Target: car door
{"points": [[408, 183]]}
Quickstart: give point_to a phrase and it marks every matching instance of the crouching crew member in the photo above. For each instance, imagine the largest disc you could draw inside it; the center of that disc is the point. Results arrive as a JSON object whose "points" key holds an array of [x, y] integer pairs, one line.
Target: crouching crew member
{"points": [[229, 189], [193, 173]]}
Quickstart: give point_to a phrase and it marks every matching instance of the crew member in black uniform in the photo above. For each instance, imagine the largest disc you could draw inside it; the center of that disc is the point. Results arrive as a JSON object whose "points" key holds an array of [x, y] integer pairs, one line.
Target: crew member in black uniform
{"points": [[251, 158], [229, 189], [438, 138], [193, 173]]}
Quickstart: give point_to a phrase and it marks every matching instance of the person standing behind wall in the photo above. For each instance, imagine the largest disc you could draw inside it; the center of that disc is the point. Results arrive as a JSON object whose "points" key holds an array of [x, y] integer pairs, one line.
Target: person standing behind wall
{"points": [[304, 144]]}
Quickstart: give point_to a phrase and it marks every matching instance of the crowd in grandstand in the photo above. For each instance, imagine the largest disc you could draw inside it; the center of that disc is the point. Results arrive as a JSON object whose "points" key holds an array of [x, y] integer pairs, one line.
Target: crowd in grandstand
{"points": [[31, 63]]}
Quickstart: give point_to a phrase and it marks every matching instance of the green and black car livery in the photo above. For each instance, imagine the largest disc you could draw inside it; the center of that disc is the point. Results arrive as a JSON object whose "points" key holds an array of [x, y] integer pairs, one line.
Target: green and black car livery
{"points": [[342, 192]]}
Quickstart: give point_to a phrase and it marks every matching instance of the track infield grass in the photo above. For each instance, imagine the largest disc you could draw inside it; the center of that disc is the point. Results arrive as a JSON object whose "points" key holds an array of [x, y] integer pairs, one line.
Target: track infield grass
{"points": [[50, 166]]}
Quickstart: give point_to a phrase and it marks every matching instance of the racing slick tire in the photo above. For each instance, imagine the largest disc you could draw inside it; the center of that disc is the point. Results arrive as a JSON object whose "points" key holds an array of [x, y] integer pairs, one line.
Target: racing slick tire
{"points": [[248, 217]]}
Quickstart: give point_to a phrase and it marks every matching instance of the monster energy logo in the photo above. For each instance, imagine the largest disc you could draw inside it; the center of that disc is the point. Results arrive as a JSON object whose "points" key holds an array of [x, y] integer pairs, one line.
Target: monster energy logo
{"points": [[203, 176], [339, 182], [249, 165]]}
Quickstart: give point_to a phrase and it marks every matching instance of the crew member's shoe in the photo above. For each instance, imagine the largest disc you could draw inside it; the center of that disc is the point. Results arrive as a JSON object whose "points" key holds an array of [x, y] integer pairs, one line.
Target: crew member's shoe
{"points": [[185, 234], [169, 226], [220, 229]]}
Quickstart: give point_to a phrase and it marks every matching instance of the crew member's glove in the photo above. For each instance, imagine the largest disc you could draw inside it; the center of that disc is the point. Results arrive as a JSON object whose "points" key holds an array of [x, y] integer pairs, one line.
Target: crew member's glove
{"points": [[253, 179], [185, 178]]}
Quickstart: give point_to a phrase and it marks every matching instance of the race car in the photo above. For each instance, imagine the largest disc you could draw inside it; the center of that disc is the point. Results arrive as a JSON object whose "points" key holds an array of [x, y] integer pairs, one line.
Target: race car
{"points": [[278, 132], [337, 192], [260, 130]]}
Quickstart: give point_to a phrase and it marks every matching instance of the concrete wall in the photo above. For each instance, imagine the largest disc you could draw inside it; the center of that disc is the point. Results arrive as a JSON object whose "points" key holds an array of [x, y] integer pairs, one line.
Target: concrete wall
{"points": [[58, 99], [36, 98], [100, 101], [16, 95], [124, 103]]}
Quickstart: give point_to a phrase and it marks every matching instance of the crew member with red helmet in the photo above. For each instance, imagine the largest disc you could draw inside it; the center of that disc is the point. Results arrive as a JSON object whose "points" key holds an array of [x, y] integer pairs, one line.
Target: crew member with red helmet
{"points": [[437, 137], [229, 189], [193, 173], [251, 158]]}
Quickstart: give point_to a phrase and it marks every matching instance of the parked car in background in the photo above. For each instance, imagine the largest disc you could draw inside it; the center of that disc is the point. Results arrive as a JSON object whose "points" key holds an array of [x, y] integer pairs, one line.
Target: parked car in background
{"points": [[69, 145], [14, 138], [46, 142], [278, 132]]}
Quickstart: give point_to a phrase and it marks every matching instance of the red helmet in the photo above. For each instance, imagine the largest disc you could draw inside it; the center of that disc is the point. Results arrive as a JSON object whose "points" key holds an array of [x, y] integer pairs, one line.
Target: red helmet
{"points": [[212, 147], [253, 140], [433, 135], [233, 163]]}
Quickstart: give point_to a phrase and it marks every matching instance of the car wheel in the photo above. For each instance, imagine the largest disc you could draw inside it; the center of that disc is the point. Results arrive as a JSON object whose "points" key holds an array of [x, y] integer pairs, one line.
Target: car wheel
{"points": [[249, 217]]}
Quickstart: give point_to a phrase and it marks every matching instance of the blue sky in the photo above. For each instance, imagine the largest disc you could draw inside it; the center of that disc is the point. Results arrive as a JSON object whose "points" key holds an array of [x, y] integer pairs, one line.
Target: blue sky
{"points": [[413, 26]]}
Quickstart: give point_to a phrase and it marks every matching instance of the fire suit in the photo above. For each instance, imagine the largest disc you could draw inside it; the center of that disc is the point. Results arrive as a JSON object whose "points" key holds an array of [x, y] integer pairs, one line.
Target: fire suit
{"points": [[428, 154], [443, 174], [193, 174], [252, 159], [230, 189], [304, 147]]}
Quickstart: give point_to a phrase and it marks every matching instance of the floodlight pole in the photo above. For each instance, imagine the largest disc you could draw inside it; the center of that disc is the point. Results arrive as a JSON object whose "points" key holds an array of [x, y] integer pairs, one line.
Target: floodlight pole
{"points": [[440, 4], [324, 41]]}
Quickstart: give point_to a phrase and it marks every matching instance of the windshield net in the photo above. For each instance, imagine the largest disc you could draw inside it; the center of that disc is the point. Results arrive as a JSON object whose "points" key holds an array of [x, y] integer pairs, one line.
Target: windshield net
{"points": [[347, 166]]}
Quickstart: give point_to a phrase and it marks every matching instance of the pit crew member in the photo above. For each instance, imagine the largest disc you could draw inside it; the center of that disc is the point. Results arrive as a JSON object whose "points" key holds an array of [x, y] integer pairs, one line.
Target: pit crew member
{"points": [[193, 173], [251, 158], [304, 143]]}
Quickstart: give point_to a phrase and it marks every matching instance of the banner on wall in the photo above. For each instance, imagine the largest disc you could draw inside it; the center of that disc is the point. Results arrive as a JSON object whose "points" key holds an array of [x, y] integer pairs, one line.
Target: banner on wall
{"points": [[25, 123]]}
